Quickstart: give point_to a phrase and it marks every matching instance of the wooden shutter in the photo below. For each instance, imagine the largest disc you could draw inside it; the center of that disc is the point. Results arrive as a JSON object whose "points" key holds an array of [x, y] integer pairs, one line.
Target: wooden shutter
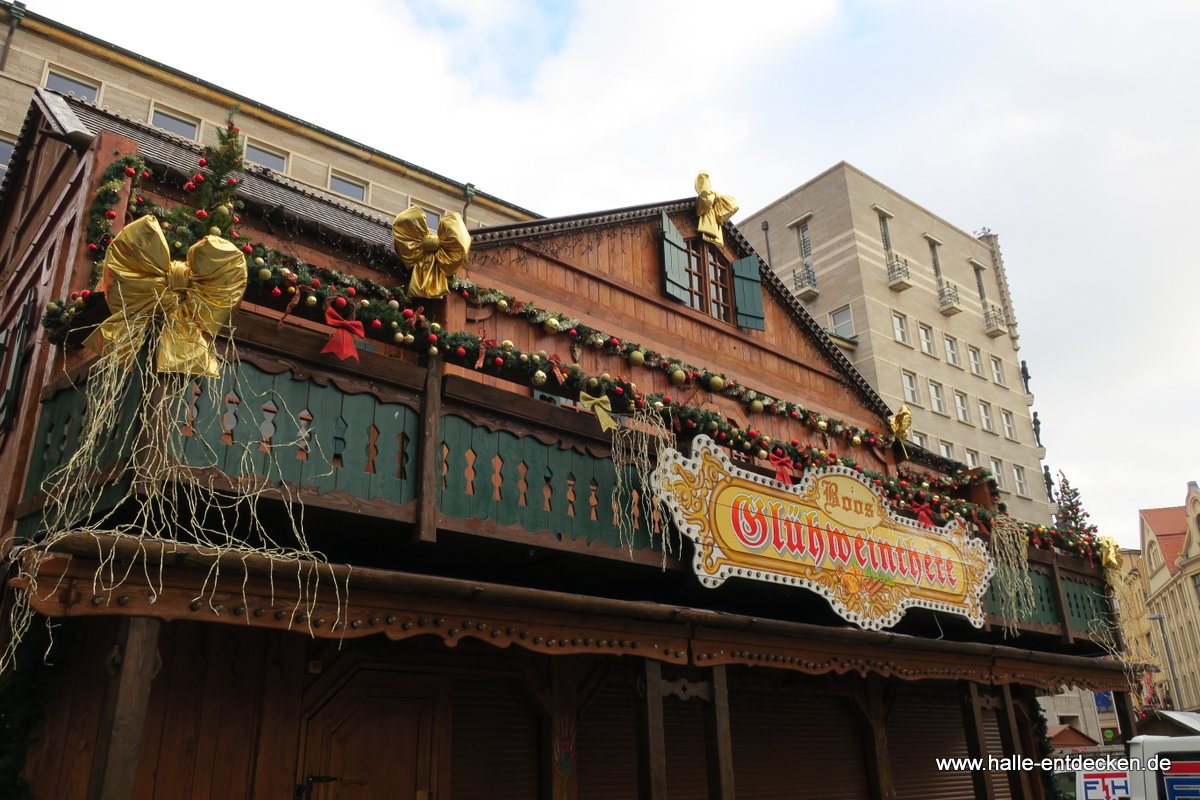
{"points": [[795, 746], [992, 720], [674, 262], [606, 744], [494, 741], [747, 293], [687, 757], [12, 357], [924, 725]]}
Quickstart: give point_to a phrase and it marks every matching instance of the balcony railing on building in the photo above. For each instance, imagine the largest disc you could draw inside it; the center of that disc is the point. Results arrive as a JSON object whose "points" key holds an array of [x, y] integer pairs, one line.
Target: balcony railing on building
{"points": [[898, 275], [994, 322], [804, 282], [948, 302]]}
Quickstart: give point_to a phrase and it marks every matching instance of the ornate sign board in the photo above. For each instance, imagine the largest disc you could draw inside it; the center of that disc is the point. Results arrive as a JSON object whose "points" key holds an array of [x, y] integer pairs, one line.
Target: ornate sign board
{"points": [[831, 533]]}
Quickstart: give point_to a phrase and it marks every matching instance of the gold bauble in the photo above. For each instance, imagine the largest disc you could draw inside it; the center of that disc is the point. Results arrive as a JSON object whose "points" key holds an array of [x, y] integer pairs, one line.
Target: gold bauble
{"points": [[539, 378], [678, 376], [756, 406], [264, 274], [506, 344], [637, 358], [716, 383]]}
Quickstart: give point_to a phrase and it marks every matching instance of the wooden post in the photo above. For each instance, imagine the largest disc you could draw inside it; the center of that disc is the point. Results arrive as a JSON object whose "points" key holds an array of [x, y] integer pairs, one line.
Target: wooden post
{"points": [[114, 767], [872, 713], [564, 716], [652, 739], [430, 452], [1125, 716], [718, 738], [1010, 737], [976, 742], [1060, 599]]}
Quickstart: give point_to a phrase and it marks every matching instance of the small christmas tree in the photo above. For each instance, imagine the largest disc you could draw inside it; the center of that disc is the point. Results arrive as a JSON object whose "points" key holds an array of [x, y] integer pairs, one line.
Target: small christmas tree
{"points": [[1072, 530]]}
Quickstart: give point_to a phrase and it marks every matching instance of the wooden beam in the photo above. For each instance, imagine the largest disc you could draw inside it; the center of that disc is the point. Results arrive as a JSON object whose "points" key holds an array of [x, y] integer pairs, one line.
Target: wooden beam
{"points": [[1010, 737], [1060, 601], [718, 738], [430, 453], [1125, 716], [651, 736], [976, 741], [136, 660]]}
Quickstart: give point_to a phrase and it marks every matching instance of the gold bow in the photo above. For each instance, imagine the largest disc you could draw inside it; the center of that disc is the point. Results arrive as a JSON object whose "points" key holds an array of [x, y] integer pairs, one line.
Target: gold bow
{"points": [[186, 302], [901, 424], [431, 256], [712, 210], [603, 408], [1110, 553]]}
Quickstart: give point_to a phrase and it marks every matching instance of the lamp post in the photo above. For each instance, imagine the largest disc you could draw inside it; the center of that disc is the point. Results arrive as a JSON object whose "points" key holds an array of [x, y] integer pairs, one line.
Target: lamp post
{"points": [[1162, 628]]}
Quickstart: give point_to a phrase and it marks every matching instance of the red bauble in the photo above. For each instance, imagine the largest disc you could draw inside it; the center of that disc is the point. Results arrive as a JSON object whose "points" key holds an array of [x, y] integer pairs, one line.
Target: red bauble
{"points": [[408, 313], [340, 302], [92, 246], [276, 291], [130, 171], [233, 181], [350, 290], [145, 173], [85, 294], [203, 162], [110, 214], [202, 214], [236, 219], [460, 351], [376, 324], [618, 390], [198, 178], [615, 342], [189, 187], [465, 294], [316, 284], [233, 235], [247, 249], [498, 361], [433, 338], [572, 332]]}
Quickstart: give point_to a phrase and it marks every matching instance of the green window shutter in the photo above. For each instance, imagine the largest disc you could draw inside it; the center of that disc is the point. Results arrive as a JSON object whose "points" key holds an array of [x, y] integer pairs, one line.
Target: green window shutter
{"points": [[674, 262], [747, 293]]}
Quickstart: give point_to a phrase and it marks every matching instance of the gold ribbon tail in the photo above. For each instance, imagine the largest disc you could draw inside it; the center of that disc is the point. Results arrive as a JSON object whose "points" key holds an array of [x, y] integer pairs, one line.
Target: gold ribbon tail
{"points": [[602, 407]]}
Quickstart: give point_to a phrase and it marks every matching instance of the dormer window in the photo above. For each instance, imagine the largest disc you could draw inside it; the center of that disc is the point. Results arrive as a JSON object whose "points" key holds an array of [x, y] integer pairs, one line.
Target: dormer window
{"points": [[710, 288], [698, 274]]}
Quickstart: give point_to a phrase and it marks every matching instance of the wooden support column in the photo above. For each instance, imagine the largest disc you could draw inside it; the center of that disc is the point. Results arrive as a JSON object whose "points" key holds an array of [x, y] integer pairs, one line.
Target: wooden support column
{"points": [[564, 718], [136, 661], [1125, 716], [872, 714], [718, 738], [651, 736], [1060, 600], [1010, 737], [976, 741], [430, 452]]}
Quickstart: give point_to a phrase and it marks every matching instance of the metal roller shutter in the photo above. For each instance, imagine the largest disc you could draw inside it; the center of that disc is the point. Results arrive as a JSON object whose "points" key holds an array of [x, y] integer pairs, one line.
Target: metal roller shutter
{"points": [[790, 746], [687, 776], [606, 745], [995, 747], [923, 725], [494, 740]]}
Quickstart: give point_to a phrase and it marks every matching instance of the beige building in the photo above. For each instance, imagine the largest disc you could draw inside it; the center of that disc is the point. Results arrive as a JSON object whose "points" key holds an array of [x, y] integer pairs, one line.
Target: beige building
{"points": [[923, 310], [37, 51], [1171, 546]]}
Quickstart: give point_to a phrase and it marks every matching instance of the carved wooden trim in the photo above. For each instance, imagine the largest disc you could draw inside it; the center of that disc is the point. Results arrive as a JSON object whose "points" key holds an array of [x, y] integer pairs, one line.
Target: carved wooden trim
{"points": [[546, 434], [348, 383]]}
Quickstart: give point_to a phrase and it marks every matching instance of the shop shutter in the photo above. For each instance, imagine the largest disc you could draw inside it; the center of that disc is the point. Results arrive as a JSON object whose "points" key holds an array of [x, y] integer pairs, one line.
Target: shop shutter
{"points": [[683, 723], [924, 725], [795, 747], [494, 741], [995, 747], [747, 293], [674, 262], [606, 745]]}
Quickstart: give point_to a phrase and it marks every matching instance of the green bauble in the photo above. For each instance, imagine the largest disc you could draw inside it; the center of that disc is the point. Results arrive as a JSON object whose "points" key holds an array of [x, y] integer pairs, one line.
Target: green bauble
{"points": [[716, 383], [678, 376], [637, 358], [756, 406]]}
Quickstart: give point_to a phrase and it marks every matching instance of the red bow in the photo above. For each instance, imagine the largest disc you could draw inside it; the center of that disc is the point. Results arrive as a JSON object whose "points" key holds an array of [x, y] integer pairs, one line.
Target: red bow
{"points": [[783, 468], [924, 513], [556, 368], [484, 344], [341, 343]]}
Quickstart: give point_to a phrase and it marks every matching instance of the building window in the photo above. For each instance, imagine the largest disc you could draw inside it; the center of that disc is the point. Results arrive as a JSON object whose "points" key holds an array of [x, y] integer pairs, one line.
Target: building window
{"points": [[952, 351], [175, 123], [911, 394], [69, 84], [961, 408], [925, 334], [432, 218], [998, 371], [946, 449], [900, 327], [271, 159], [937, 264], [998, 471], [976, 359], [348, 186], [919, 439], [710, 278], [6, 152], [972, 458], [985, 417], [885, 235], [805, 243], [1009, 424], [841, 322], [937, 400], [1019, 481], [979, 284]]}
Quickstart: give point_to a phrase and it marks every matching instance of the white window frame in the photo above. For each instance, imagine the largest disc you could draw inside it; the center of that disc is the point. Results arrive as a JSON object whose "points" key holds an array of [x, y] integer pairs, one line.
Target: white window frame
{"points": [[1019, 484], [900, 328], [910, 387], [187, 119], [962, 407], [972, 458], [919, 439], [953, 357], [833, 325], [12, 144], [997, 467], [946, 449], [975, 357], [937, 398], [71, 75], [985, 417], [350, 179], [1008, 423], [998, 371], [925, 337], [257, 145]]}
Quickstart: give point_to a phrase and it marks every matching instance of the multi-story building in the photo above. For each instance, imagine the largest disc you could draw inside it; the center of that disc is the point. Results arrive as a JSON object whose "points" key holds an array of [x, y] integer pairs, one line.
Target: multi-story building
{"points": [[923, 311], [37, 51], [1171, 549]]}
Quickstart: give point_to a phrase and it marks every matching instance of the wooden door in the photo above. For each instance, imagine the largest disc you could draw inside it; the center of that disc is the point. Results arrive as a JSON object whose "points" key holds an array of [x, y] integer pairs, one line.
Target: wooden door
{"points": [[377, 734]]}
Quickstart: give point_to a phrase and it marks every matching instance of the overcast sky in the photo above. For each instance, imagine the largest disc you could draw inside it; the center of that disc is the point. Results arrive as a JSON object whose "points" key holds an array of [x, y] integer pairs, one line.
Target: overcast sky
{"points": [[1068, 128]]}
